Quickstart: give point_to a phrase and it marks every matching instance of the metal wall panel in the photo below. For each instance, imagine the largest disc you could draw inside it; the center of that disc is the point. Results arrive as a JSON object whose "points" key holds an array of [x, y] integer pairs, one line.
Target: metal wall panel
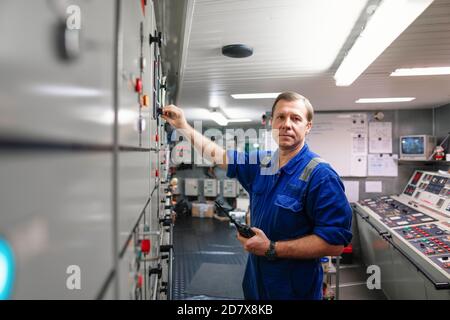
{"points": [[129, 286], [442, 128], [377, 252], [43, 96], [400, 279], [409, 283], [134, 174], [132, 17], [365, 238], [56, 212], [138, 179], [433, 294], [57, 204]]}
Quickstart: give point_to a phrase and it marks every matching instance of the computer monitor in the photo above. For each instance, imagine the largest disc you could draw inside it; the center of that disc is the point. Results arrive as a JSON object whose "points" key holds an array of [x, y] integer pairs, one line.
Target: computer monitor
{"points": [[417, 147]]}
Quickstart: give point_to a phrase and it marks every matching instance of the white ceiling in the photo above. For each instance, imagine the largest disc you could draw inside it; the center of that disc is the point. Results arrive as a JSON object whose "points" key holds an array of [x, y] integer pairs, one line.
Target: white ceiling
{"points": [[298, 45]]}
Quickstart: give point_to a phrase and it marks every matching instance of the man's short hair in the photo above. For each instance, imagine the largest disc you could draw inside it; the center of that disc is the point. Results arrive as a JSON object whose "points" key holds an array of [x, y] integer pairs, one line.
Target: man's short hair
{"points": [[294, 96]]}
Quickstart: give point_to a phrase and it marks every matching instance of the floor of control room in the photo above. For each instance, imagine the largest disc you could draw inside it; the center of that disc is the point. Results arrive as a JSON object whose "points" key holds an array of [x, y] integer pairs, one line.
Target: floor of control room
{"points": [[209, 264]]}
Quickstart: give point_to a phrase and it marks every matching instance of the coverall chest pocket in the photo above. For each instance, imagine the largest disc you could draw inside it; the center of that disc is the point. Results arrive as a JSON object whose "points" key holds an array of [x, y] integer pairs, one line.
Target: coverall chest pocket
{"points": [[290, 220]]}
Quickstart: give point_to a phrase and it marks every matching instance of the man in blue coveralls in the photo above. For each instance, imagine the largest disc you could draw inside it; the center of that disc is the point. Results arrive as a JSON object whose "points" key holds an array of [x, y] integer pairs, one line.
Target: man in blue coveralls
{"points": [[298, 207]]}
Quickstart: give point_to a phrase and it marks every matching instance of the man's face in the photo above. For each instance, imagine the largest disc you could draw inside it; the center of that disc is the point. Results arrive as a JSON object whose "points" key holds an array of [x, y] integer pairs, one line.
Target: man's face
{"points": [[290, 124]]}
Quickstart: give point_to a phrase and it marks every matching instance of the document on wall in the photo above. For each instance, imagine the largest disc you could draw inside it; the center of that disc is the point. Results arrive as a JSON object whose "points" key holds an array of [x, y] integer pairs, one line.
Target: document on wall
{"points": [[383, 165], [351, 190], [359, 144], [380, 137], [374, 186], [359, 122], [358, 166]]}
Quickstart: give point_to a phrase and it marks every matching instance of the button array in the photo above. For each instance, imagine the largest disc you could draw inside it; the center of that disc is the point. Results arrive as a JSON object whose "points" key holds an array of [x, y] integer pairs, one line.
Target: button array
{"points": [[431, 246], [422, 231]]}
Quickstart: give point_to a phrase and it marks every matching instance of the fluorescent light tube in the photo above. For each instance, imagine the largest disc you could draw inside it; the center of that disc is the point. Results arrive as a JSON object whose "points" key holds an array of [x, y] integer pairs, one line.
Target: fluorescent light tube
{"points": [[390, 19], [271, 95], [239, 120], [434, 71], [384, 100]]}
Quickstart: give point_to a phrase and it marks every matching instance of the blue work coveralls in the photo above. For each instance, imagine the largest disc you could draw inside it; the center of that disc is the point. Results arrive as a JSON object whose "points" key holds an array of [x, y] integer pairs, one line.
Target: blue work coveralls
{"points": [[285, 207]]}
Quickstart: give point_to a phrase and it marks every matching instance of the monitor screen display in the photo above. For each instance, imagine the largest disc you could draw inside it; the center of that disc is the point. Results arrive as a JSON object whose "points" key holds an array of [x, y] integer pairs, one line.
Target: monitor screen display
{"points": [[413, 145]]}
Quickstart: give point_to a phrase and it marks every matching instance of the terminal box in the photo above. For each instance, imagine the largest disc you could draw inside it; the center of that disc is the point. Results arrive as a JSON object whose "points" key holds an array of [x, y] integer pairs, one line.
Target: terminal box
{"points": [[191, 187]]}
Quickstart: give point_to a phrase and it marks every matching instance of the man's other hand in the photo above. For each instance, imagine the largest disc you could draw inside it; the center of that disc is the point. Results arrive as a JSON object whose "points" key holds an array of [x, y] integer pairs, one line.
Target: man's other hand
{"points": [[257, 245]]}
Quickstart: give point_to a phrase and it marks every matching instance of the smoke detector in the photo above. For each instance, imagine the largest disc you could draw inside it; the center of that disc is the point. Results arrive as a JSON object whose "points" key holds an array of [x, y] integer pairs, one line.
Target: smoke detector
{"points": [[237, 51]]}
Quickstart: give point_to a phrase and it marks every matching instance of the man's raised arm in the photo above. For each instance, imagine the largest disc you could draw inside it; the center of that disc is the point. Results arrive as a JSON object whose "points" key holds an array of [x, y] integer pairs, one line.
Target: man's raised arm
{"points": [[207, 148]]}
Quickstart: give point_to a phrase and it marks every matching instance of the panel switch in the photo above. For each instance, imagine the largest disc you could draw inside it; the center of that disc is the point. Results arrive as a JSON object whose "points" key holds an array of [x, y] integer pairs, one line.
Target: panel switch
{"points": [[138, 85], [145, 246]]}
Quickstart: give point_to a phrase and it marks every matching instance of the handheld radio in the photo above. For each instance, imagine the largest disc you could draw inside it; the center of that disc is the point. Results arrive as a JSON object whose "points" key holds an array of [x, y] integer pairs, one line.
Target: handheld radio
{"points": [[243, 229]]}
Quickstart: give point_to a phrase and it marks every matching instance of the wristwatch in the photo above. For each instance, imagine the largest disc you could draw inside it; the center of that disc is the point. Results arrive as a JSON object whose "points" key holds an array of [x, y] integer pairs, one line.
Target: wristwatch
{"points": [[271, 254]]}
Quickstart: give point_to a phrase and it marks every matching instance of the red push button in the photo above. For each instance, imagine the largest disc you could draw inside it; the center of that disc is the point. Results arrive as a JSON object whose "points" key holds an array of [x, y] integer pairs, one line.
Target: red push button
{"points": [[138, 85], [145, 246], [140, 281]]}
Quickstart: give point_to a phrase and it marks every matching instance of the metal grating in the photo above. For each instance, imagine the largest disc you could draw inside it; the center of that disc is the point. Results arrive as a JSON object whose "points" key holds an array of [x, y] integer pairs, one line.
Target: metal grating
{"points": [[198, 241]]}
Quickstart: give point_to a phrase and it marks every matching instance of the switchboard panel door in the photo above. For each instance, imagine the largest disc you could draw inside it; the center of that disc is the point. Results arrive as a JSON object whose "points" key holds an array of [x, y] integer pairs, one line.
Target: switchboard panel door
{"points": [[136, 75], [55, 83], [57, 217]]}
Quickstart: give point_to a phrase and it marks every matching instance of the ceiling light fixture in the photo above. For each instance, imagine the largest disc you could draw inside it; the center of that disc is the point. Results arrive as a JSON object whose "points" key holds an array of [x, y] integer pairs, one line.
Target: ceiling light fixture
{"points": [[271, 95], [239, 120], [433, 71], [384, 100], [389, 20]]}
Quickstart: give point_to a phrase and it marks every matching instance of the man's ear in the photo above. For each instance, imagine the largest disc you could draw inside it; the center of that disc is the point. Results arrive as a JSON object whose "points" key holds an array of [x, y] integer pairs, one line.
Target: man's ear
{"points": [[309, 127]]}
